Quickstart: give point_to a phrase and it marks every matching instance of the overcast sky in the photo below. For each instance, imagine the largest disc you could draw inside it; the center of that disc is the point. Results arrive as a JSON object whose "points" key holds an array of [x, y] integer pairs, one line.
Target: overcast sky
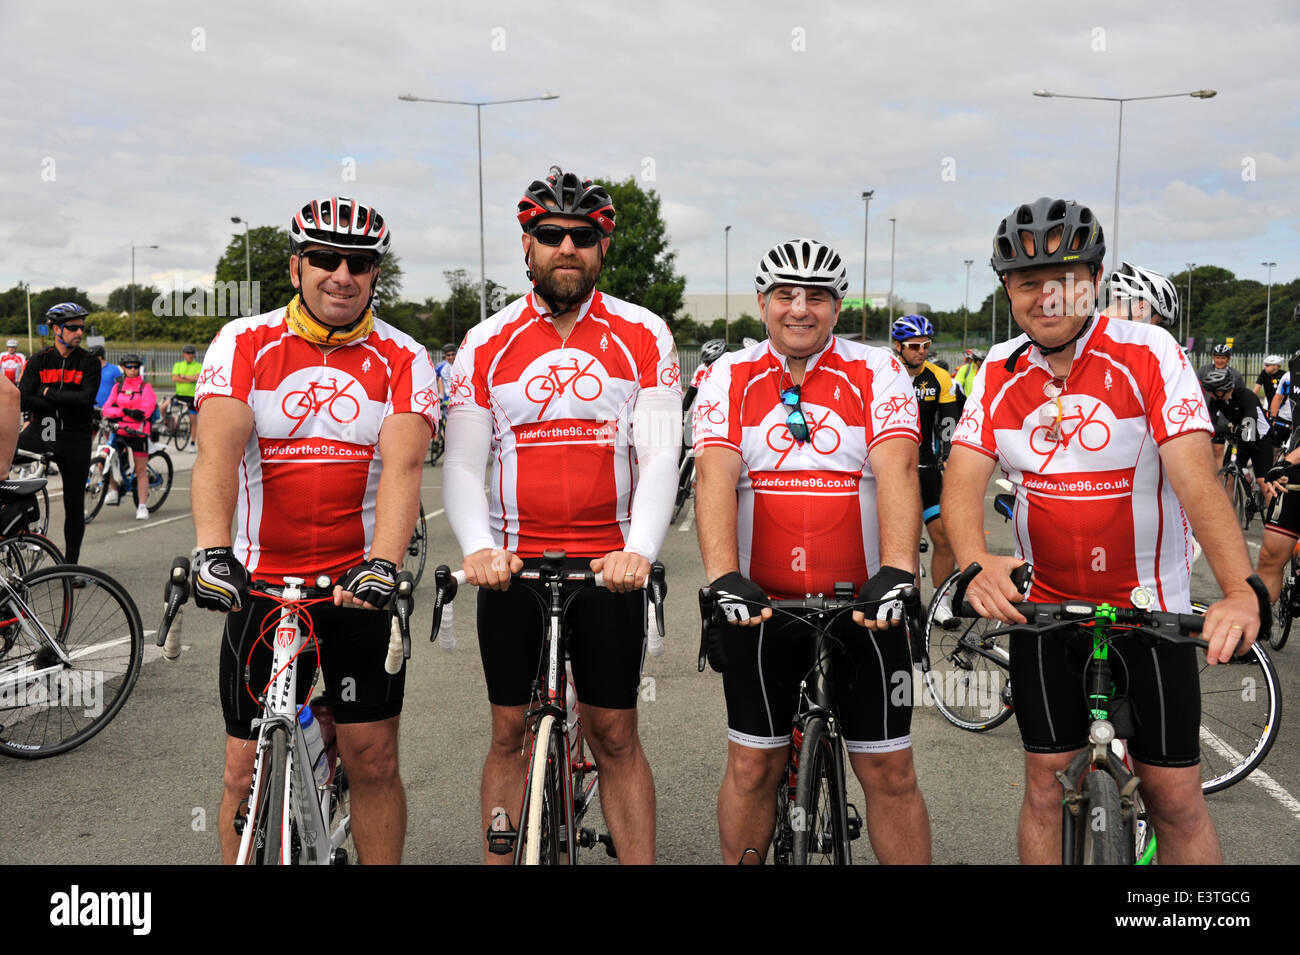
{"points": [[156, 122]]}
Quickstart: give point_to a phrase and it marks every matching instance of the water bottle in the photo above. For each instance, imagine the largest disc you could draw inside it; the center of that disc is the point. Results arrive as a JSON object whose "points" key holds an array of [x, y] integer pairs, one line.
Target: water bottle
{"points": [[315, 746], [446, 636]]}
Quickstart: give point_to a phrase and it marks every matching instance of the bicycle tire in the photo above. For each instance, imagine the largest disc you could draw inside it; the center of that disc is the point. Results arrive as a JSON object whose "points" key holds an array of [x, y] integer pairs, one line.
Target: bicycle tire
{"points": [[180, 436], [42, 524], [98, 626], [1241, 501], [268, 837], [1282, 609], [27, 552], [1104, 837], [539, 831], [160, 479], [685, 472], [819, 819], [96, 488], [1241, 716], [341, 815], [967, 674], [417, 550]]}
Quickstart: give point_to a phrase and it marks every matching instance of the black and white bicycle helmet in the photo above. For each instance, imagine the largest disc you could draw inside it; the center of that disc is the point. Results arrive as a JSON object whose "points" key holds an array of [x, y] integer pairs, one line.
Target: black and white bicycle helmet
{"points": [[340, 223], [1216, 379], [805, 262], [1133, 282], [1070, 231], [1221, 349]]}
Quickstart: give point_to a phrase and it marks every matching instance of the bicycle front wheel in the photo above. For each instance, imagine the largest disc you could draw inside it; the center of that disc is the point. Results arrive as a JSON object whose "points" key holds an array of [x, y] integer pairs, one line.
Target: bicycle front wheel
{"points": [[1241, 501], [1105, 836], [539, 833], [1241, 715], [270, 838], [25, 552], [42, 526], [71, 645], [96, 488], [967, 673], [685, 473], [819, 819], [180, 435], [1282, 610], [160, 479], [417, 550]]}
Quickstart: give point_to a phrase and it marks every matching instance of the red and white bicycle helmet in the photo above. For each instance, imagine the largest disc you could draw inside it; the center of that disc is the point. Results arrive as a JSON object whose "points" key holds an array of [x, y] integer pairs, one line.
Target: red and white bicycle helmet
{"points": [[564, 194], [340, 223]]}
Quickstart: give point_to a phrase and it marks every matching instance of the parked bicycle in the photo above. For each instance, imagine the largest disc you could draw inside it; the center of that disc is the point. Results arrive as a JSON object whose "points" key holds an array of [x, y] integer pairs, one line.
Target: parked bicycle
{"points": [[292, 818], [174, 424], [562, 781], [1239, 482], [22, 549], [32, 465]]}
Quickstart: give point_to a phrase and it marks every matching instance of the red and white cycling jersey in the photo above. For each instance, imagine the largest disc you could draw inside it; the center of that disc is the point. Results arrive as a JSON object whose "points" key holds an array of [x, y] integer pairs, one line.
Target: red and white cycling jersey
{"points": [[564, 463], [310, 472], [12, 364], [1095, 512], [807, 513]]}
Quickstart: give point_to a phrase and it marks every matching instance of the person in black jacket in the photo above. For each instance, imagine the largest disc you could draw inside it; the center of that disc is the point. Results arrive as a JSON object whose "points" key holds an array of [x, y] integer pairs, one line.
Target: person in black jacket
{"points": [[58, 392]]}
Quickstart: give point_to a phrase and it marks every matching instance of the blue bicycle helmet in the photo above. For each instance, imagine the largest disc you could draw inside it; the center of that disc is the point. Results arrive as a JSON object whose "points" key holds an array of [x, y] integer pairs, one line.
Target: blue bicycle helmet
{"points": [[64, 312], [911, 326]]}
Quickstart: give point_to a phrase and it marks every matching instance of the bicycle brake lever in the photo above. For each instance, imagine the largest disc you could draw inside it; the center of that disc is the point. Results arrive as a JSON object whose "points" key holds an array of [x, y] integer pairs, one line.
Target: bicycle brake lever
{"points": [[175, 594], [444, 592], [658, 591], [402, 606], [706, 612]]}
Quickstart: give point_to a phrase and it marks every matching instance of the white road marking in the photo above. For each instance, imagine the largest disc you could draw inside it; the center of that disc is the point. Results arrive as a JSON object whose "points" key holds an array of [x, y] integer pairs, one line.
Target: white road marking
{"points": [[165, 520], [434, 513], [686, 522], [1260, 778]]}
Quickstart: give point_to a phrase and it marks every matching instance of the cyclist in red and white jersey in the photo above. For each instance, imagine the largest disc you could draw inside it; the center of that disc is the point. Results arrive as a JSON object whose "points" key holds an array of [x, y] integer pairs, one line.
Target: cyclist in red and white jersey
{"points": [[576, 397], [12, 361], [1101, 425], [1141, 295], [807, 458], [317, 419]]}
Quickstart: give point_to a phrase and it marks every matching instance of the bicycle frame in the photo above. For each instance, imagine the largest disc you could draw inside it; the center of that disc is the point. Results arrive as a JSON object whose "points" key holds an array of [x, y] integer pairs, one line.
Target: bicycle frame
{"points": [[30, 626]]}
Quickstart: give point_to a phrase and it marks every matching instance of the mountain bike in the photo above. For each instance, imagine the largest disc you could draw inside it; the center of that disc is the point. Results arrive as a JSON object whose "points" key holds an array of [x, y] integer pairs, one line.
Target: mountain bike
{"points": [[106, 464], [291, 819], [815, 822], [71, 645], [561, 782]]}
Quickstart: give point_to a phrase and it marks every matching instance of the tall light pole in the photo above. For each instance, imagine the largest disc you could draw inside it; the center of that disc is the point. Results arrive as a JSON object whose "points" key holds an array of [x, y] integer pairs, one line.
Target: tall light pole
{"points": [[892, 221], [965, 325], [1268, 302], [133, 248], [1188, 310], [248, 264], [478, 117], [726, 284], [27, 287], [866, 226], [1119, 141]]}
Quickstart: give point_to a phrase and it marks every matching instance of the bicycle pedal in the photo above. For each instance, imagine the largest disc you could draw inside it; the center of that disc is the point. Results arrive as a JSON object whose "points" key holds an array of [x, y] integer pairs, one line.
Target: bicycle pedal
{"points": [[855, 822], [501, 842]]}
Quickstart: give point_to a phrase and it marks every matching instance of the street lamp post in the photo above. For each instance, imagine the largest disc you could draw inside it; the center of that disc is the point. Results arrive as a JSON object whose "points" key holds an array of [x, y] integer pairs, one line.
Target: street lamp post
{"points": [[247, 297], [965, 325], [478, 117], [133, 248], [1188, 310], [1268, 302], [892, 221], [27, 287], [866, 225], [1114, 226], [726, 284]]}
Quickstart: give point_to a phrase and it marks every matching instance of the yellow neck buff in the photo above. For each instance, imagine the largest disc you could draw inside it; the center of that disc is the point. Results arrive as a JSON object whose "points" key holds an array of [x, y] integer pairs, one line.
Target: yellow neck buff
{"points": [[306, 327]]}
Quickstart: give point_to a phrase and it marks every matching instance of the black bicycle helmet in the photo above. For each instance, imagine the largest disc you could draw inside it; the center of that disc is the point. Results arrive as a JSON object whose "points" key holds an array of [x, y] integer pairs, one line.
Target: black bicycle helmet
{"points": [[1216, 379], [130, 359], [564, 194], [1057, 231], [712, 350], [65, 312], [1221, 349]]}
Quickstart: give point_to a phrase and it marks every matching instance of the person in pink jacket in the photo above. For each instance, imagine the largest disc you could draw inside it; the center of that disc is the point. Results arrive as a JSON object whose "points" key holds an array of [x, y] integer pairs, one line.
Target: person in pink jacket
{"points": [[130, 405]]}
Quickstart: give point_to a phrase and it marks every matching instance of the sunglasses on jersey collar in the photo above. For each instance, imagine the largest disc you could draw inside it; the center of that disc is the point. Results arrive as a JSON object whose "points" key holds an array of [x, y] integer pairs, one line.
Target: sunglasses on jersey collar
{"points": [[359, 263], [583, 236], [795, 421]]}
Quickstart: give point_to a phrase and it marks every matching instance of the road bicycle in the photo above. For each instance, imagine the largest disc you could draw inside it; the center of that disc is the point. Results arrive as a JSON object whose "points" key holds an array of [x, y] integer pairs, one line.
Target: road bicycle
{"points": [[1239, 482], [438, 446], [417, 551], [174, 425], [23, 549], [290, 818], [106, 464], [32, 465], [967, 675], [71, 646], [562, 781], [815, 822]]}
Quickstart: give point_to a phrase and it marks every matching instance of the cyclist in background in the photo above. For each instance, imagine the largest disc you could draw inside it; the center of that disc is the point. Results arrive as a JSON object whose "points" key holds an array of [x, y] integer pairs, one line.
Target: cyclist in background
{"points": [[58, 393], [185, 374], [129, 406], [912, 336], [1266, 381], [109, 375], [1141, 295], [443, 370], [1243, 416], [1221, 357], [1101, 426], [565, 388], [315, 434], [1281, 410], [809, 480], [12, 361]]}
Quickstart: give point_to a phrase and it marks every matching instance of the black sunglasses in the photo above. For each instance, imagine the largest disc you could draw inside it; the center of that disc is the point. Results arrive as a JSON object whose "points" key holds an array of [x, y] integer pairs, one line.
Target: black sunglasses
{"points": [[795, 420], [74, 328], [359, 263], [131, 366], [584, 236]]}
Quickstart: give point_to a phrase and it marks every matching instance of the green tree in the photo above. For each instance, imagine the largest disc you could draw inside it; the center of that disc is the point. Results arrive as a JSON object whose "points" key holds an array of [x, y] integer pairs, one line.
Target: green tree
{"points": [[268, 257], [388, 291], [119, 300], [46, 299], [639, 266]]}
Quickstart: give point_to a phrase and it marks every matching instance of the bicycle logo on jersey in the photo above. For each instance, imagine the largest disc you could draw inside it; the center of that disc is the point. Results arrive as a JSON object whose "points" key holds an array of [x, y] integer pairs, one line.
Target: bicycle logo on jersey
{"points": [[318, 396], [426, 399], [213, 377], [968, 418], [709, 411], [895, 404], [822, 437], [460, 387], [582, 383], [671, 375], [1186, 410], [1089, 433]]}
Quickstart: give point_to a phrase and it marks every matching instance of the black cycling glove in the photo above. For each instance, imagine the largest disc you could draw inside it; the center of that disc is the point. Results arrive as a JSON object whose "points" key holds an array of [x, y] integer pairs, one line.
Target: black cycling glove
{"points": [[372, 582], [739, 598], [891, 587], [220, 580]]}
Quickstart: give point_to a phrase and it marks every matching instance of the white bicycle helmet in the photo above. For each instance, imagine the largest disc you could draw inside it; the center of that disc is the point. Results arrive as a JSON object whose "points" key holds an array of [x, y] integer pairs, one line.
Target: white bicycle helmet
{"points": [[340, 223], [1135, 282], [1274, 360], [803, 262]]}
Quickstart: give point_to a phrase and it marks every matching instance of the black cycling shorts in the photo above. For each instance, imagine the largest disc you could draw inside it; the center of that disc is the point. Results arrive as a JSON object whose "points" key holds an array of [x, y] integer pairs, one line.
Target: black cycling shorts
{"points": [[606, 639], [931, 491], [1161, 682], [1286, 516], [188, 400], [871, 670], [353, 646]]}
